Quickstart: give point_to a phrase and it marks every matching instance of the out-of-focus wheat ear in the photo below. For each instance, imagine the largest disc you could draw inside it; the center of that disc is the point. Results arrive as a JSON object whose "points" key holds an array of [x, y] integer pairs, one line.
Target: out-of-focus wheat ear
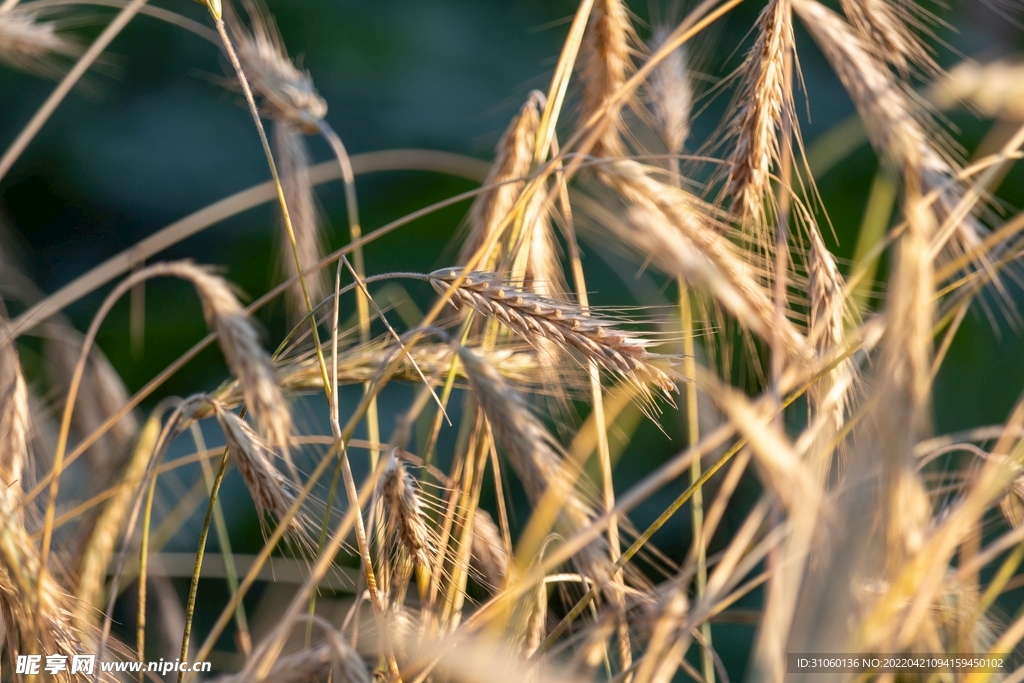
{"points": [[31, 43], [993, 90], [765, 92], [512, 161], [899, 131], [101, 394], [607, 63], [671, 94], [292, 157], [248, 360], [528, 626], [28, 589], [98, 550], [270, 490], [904, 373], [489, 558], [1012, 504], [538, 319], [535, 458], [678, 245], [287, 93], [828, 319], [15, 415], [404, 512], [540, 262], [886, 25]]}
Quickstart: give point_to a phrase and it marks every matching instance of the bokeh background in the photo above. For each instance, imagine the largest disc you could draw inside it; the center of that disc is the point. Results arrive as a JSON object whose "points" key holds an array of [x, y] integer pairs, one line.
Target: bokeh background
{"points": [[154, 136]]}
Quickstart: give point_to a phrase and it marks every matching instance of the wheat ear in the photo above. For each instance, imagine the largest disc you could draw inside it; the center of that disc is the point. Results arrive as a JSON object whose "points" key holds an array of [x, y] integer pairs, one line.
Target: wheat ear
{"points": [[898, 130], [671, 94], [269, 488], [758, 117], [886, 25], [534, 318], [30, 43], [405, 519], [607, 64], [101, 394]]}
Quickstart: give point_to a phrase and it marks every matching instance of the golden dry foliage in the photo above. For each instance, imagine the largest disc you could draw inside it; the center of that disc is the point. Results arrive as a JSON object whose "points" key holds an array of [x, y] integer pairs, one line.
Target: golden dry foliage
{"points": [[868, 533]]}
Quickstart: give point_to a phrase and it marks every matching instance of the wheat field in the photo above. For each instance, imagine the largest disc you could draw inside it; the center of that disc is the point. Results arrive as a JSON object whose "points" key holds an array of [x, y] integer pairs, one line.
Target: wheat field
{"points": [[464, 491]]}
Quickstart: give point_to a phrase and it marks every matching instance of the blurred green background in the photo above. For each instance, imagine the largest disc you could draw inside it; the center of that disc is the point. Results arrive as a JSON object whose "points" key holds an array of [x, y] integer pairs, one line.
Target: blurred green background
{"points": [[155, 137]]}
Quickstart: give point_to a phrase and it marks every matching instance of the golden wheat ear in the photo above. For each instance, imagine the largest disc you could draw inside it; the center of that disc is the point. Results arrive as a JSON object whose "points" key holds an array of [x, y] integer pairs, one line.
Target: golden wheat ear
{"points": [[536, 459], [606, 55], [401, 500], [537, 319], [271, 491], [671, 94], [765, 94]]}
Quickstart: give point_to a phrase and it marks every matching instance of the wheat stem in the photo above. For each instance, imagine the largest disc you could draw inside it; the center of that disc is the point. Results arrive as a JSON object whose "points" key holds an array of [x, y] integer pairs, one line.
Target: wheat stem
{"points": [[147, 518], [193, 589]]}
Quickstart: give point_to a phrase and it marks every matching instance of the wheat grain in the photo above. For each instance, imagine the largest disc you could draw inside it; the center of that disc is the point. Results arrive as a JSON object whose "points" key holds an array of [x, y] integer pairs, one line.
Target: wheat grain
{"points": [[534, 317]]}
